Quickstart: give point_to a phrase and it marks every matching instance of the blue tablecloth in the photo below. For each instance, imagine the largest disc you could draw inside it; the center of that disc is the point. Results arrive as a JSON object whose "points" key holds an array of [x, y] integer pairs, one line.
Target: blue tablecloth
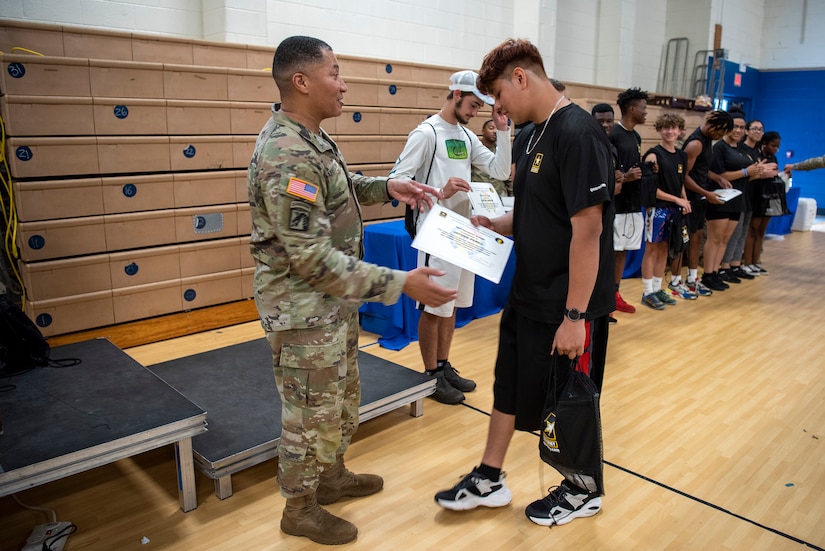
{"points": [[388, 244]]}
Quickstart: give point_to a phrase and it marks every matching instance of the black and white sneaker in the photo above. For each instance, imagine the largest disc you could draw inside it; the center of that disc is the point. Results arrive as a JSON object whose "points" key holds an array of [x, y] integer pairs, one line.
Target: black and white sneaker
{"points": [[563, 504], [457, 381], [473, 491]]}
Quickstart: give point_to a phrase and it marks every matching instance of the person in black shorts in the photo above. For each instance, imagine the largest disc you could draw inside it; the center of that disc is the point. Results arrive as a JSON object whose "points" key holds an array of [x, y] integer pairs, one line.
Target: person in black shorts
{"points": [[700, 182], [563, 288], [733, 165]]}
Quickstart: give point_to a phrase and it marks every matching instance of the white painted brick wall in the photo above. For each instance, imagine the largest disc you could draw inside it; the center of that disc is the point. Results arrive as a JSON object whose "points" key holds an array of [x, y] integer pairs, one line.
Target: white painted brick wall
{"points": [[763, 33]]}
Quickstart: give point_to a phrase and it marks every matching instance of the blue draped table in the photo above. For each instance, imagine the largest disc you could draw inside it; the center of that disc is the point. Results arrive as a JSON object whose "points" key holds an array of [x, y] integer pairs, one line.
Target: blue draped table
{"points": [[388, 244]]}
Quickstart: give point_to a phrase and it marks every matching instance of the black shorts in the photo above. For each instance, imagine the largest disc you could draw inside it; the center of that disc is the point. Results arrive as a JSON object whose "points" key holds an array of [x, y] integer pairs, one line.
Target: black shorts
{"points": [[696, 217], [524, 364], [716, 213]]}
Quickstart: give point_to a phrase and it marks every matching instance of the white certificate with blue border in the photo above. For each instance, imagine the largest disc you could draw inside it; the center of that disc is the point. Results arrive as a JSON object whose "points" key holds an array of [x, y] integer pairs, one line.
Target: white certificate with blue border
{"points": [[485, 200], [453, 238]]}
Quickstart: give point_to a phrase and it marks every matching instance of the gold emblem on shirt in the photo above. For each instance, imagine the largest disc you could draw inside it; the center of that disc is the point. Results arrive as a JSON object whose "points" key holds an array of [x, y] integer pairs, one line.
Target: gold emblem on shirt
{"points": [[536, 163]]}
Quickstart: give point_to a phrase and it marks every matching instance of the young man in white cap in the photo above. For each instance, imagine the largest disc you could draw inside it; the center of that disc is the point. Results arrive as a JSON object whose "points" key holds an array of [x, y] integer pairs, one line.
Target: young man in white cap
{"points": [[441, 152]]}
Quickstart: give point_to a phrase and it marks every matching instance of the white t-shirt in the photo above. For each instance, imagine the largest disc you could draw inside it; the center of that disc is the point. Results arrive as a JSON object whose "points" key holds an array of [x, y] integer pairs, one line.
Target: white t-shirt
{"points": [[457, 151]]}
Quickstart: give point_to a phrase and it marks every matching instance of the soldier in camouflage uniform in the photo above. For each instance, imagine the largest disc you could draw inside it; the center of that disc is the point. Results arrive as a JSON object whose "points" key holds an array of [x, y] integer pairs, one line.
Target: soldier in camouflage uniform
{"points": [[488, 140], [310, 280], [808, 164]]}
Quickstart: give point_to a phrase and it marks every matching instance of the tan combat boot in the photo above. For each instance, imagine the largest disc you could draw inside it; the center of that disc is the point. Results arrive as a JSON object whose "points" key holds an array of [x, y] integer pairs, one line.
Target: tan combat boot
{"points": [[337, 482], [304, 517]]}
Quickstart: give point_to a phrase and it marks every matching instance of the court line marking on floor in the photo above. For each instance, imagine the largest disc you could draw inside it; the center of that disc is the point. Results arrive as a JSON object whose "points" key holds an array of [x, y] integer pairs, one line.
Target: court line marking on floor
{"points": [[684, 494]]}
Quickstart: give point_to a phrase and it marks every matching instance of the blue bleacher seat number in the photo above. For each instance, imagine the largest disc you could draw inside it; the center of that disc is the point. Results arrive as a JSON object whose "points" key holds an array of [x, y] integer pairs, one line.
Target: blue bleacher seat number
{"points": [[189, 152], [23, 153], [357, 116], [121, 111], [131, 269], [130, 190], [388, 68], [37, 242], [189, 295], [393, 89], [44, 320], [17, 70], [394, 202]]}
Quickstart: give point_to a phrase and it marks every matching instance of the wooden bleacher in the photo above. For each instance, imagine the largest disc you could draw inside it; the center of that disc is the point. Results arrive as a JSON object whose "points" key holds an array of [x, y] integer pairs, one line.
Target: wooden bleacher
{"points": [[128, 156]]}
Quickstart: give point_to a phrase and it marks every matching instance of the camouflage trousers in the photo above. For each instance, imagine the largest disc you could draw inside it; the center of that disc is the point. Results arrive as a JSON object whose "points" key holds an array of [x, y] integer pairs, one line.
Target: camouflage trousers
{"points": [[316, 371]]}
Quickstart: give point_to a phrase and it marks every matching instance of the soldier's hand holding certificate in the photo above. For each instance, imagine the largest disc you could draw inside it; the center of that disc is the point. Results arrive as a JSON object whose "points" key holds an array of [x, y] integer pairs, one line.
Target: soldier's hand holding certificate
{"points": [[453, 238]]}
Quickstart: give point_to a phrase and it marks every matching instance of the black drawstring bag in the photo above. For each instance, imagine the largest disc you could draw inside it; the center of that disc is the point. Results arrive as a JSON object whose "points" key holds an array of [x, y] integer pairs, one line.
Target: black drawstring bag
{"points": [[678, 239], [772, 200], [571, 430]]}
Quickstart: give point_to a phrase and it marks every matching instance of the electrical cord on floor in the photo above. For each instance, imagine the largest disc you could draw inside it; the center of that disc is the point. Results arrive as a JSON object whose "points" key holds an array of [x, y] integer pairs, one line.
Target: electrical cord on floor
{"points": [[50, 543], [51, 512]]}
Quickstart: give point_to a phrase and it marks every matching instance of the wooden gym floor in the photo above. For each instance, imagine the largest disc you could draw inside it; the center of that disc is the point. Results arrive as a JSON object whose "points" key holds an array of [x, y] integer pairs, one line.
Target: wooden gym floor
{"points": [[713, 419]]}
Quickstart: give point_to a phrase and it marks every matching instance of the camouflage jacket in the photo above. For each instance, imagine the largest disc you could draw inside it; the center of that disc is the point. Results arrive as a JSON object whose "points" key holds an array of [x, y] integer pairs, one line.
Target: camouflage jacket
{"points": [[503, 187], [810, 164], [307, 230]]}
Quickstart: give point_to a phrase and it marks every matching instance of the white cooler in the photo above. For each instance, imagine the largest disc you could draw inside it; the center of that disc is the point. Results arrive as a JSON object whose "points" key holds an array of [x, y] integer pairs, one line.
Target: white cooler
{"points": [[805, 215]]}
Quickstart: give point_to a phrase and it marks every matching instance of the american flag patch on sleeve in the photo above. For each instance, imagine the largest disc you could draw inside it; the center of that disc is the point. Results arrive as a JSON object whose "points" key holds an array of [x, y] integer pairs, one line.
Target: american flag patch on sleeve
{"points": [[302, 189]]}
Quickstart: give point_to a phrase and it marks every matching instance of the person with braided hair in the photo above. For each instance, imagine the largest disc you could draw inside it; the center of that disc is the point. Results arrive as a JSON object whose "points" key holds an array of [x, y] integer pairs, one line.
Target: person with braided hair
{"points": [[700, 182]]}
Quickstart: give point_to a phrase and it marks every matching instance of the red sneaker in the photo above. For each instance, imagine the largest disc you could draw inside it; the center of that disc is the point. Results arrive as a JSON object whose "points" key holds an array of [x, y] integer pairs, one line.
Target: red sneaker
{"points": [[622, 306]]}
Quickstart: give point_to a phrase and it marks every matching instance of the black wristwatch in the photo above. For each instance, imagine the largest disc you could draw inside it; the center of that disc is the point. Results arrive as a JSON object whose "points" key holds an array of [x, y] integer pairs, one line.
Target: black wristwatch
{"points": [[574, 315]]}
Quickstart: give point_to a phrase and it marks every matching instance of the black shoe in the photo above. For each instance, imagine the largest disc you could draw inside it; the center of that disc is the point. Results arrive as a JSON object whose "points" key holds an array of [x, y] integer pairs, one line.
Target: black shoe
{"points": [[457, 381], [741, 274], [719, 280], [611, 319], [475, 490], [562, 505], [445, 392], [729, 276], [709, 281]]}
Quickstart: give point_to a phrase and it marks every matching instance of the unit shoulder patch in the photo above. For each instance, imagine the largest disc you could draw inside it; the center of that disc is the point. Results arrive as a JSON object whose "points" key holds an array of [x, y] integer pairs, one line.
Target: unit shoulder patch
{"points": [[299, 216]]}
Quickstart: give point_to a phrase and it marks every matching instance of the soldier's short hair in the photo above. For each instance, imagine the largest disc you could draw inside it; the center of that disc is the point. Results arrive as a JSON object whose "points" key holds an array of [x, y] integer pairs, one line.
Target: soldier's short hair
{"points": [[293, 55]]}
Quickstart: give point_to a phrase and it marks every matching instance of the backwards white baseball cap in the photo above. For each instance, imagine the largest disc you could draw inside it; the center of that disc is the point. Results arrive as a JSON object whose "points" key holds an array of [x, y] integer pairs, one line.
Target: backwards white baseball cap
{"points": [[465, 81]]}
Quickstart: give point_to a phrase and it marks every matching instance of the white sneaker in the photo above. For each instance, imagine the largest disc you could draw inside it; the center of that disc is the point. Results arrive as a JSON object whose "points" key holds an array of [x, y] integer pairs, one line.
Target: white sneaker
{"points": [[748, 270]]}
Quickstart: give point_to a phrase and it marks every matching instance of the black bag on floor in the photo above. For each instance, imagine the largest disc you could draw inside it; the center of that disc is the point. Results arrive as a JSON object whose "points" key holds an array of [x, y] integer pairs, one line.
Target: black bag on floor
{"points": [[678, 239], [571, 434], [22, 346]]}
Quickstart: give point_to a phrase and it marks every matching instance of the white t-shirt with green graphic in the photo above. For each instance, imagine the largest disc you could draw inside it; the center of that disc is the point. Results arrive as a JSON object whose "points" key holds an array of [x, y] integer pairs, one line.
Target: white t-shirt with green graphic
{"points": [[457, 150]]}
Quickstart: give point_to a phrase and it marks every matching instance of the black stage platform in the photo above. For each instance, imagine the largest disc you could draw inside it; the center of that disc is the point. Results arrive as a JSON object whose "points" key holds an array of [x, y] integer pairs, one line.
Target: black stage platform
{"points": [[62, 421], [236, 387]]}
